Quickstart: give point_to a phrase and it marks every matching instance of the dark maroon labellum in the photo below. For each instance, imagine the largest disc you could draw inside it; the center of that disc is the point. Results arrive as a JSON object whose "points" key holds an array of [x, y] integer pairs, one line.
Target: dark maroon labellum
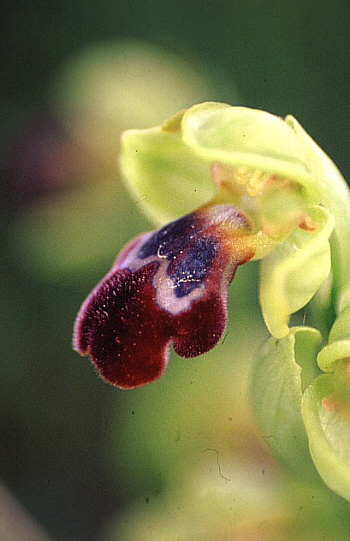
{"points": [[167, 286]]}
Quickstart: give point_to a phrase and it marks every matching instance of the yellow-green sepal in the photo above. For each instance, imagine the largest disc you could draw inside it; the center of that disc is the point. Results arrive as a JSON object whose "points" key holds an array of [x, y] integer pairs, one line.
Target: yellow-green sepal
{"points": [[165, 177], [335, 197], [251, 138], [168, 168]]}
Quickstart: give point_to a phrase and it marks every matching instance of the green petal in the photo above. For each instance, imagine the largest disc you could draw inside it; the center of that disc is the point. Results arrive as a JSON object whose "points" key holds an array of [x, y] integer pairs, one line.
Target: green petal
{"points": [[282, 369], [293, 272], [329, 437], [165, 176]]}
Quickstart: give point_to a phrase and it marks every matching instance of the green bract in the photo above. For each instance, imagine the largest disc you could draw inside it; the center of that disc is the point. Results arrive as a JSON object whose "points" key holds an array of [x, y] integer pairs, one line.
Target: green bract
{"points": [[328, 435], [299, 207], [282, 371], [338, 343]]}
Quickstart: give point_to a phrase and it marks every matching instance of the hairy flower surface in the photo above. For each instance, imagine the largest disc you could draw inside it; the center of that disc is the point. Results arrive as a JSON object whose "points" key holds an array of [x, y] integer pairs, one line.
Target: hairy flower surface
{"points": [[170, 285]]}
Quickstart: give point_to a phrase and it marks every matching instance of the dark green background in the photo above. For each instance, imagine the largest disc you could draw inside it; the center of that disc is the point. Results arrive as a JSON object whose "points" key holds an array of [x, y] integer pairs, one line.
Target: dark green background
{"points": [[281, 56]]}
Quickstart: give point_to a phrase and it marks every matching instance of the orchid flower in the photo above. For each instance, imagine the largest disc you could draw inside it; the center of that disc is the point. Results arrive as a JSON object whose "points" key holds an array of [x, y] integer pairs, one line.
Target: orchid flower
{"points": [[227, 185]]}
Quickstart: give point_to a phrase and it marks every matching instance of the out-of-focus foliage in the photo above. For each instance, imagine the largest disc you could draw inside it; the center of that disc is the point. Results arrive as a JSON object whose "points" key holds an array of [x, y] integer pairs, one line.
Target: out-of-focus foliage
{"points": [[90, 462], [94, 97]]}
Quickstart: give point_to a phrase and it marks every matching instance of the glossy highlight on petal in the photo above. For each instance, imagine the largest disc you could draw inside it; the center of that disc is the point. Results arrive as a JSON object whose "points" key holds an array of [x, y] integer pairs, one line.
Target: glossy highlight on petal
{"points": [[166, 286]]}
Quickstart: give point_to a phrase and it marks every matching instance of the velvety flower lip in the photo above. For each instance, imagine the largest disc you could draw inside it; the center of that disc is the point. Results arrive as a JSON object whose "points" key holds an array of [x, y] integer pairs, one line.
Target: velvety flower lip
{"points": [[166, 286]]}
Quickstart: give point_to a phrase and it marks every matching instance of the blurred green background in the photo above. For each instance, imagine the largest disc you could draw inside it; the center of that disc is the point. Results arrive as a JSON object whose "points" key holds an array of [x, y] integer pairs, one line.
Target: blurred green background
{"points": [[87, 461]]}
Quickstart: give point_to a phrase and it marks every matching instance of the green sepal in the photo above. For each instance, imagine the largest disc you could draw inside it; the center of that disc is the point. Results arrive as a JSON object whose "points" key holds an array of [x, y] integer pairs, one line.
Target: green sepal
{"points": [[244, 137], [336, 197], [164, 175], [293, 272], [329, 436], [282, 370], [168, 167]]}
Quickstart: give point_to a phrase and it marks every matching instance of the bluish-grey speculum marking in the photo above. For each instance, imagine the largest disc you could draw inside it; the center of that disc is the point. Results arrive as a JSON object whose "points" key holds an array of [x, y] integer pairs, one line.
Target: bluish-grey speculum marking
{"points": [[193, 267], [171, 239], [190, 254]]}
